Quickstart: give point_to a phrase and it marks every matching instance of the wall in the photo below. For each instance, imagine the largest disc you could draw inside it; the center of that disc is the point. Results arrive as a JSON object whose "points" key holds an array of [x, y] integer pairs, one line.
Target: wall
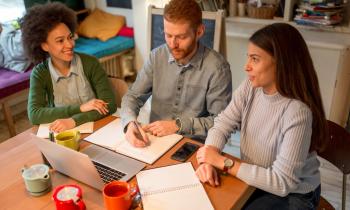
{"points": [[137, 18], [326, 49], [140, 28], [330, 53], [140, 31], [102, 4]]}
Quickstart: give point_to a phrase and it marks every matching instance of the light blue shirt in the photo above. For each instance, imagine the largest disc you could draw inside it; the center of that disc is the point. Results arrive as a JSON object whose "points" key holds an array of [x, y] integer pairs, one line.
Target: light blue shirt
{"points": [[71, 89], [195, 93]]}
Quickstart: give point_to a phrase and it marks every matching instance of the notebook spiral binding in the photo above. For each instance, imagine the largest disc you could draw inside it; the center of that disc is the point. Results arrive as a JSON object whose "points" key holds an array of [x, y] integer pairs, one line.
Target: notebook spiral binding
{"points": [[170, 189]]}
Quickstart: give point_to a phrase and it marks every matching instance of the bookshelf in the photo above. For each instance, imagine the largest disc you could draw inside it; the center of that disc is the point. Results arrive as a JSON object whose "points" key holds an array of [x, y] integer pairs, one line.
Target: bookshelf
{"points": [[288, 16]]}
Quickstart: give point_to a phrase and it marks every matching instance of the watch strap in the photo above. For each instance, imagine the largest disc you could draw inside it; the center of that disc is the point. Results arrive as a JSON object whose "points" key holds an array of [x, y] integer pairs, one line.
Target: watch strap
{"points": [[179, 125], [227, 167]]}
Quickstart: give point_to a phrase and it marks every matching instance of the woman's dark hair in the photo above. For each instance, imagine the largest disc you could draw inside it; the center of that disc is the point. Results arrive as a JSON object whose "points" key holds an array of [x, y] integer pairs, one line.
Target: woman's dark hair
{"points": [[38, 22], [295, 73]]}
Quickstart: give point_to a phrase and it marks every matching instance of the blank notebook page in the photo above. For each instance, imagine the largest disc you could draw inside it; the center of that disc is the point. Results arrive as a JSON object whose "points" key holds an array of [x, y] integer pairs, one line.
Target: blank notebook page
{"points": [[172, 187]]}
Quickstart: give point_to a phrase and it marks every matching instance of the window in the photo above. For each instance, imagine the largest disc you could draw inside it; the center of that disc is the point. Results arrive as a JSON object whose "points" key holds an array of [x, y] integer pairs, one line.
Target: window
{"points": [[11, 10]]}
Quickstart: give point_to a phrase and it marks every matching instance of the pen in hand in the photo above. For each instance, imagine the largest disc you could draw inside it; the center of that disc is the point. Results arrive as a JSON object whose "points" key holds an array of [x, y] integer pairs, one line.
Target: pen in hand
{"points": [[138, 134], [51, 136]]}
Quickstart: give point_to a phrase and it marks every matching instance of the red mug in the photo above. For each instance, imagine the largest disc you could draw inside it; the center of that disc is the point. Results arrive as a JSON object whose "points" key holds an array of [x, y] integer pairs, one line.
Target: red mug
{"points": [[68, 197], [118, 195]]}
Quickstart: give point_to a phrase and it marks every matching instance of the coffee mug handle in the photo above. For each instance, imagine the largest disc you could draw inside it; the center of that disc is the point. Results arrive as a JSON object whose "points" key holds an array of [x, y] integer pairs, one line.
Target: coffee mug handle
{"points": [[46, 177], [81, 204], [134, 189], [24, 168], [78, 136]]}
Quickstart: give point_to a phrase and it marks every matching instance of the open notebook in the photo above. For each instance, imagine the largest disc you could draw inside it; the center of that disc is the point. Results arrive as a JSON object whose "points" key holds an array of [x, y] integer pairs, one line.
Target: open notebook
{"points": [[43, 131], [112, 136], [172, 187]]}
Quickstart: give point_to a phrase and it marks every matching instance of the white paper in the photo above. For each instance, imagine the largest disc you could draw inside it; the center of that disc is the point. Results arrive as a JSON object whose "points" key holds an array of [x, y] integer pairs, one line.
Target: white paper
{"points": [[113, 137], [172, 187], [43, 131], [117, 113]]}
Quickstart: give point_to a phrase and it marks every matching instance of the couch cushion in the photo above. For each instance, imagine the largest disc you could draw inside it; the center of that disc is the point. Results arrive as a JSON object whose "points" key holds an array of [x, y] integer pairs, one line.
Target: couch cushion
{"points": [[12, 82], [101, 25], [100, 49]]}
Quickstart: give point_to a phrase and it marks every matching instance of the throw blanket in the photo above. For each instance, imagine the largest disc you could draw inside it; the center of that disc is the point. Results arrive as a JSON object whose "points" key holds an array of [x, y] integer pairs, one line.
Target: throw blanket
{"points": [[11, 50]]}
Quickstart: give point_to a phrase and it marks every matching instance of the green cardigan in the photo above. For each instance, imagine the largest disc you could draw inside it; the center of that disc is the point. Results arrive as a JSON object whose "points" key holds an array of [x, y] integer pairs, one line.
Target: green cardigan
{"points": [[41, 107]]}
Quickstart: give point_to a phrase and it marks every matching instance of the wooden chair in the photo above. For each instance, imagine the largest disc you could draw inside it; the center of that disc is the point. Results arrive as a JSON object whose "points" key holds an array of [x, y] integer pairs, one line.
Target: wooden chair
{"points": [[13, 85], [119, 87], [338, 153]]}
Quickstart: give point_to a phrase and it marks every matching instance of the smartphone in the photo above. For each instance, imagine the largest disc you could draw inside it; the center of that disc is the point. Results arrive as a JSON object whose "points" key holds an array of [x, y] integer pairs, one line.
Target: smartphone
{"points": [[184, 152]]}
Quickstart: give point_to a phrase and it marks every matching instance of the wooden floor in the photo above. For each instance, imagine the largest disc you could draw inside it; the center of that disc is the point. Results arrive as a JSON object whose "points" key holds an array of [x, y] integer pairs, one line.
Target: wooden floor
{"points": [[331, 178]]}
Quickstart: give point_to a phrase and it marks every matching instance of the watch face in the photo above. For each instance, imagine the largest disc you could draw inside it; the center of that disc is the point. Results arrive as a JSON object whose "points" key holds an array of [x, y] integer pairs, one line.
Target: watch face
{"points": [[228, 163]]}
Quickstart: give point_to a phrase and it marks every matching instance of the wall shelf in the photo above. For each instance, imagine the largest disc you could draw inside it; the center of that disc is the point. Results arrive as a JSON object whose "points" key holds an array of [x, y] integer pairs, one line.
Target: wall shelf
{"points": [[288, 18]]}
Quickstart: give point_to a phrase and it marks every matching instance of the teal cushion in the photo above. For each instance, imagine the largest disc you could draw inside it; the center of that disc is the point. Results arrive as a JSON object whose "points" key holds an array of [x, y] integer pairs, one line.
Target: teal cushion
{"points": [[100, 49]]}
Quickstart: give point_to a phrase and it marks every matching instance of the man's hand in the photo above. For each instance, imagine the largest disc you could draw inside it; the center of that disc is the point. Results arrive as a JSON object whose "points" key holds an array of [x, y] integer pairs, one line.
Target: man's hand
{"points": [[133, 133], [161, 128], [95, 104], [60, 125], [210, 155], [207, 173]]}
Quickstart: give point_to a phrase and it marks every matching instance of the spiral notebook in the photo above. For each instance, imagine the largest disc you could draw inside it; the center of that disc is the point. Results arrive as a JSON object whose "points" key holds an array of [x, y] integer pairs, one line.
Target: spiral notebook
{"points": [[112, 137], [172, 187]]}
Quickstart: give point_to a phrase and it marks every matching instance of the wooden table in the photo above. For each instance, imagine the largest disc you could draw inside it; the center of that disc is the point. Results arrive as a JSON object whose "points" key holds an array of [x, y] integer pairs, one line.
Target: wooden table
{"points": [[21, 149]]}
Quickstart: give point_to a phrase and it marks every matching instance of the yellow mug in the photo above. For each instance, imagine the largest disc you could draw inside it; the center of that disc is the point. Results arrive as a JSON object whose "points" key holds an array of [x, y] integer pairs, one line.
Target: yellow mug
{"points": [[69, 139]]}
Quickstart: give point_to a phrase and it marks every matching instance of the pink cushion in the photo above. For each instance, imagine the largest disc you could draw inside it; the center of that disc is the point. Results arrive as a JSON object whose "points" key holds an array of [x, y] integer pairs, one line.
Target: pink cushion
{"points": [[126, 31], [12, 82]]}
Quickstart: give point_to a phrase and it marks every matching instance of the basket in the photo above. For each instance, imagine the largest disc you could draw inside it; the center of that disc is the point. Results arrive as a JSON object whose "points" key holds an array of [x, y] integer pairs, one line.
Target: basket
{"points": [[264, 12]]}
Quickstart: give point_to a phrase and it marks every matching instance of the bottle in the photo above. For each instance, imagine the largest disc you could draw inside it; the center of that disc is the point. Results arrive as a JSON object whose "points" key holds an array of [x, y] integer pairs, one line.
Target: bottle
{"points": [[233, 8]]}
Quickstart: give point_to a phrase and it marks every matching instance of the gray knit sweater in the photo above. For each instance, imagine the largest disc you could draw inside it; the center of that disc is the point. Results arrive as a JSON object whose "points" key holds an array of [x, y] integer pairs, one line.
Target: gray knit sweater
{"points": [[275, 140]]}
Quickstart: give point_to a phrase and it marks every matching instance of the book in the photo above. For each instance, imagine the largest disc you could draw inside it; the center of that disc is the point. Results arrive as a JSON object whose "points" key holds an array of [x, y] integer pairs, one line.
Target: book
{"points": [[112, 137], [172, 187], [43, 131]]}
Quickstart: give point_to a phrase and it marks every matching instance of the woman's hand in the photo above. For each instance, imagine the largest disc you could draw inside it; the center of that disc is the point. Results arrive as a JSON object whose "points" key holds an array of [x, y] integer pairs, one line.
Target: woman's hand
{"points": [[95, 104], [210, 155], [207, 173], [60, 125]]}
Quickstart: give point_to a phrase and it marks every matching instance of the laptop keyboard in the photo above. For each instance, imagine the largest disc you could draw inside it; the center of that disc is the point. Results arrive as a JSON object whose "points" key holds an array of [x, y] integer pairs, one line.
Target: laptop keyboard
{"points": [[108, 174]]}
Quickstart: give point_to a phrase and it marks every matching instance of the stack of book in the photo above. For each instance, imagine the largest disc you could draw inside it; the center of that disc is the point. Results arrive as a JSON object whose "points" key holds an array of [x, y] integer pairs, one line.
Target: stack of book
{"points": [[212, 5], [320, 12]]}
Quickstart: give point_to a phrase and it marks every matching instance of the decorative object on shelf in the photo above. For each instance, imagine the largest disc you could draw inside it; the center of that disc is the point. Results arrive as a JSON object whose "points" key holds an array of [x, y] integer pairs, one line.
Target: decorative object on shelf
{"points": [[214, 5], [261, 10], [233, 8], [242, 4], [320, 12]]}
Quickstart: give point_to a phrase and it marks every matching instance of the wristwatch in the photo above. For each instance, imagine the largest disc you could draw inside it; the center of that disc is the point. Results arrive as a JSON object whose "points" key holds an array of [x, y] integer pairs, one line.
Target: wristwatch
{"points": [[179, 125], [228, 163]]}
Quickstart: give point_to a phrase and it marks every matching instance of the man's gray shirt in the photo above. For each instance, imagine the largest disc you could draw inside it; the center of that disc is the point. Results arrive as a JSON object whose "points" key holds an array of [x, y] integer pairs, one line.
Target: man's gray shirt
{"points": [[195, 93]]}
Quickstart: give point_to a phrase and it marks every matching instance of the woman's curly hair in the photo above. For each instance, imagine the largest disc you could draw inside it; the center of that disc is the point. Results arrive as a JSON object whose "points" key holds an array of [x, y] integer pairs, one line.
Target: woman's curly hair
{"points": [[38, 22]]}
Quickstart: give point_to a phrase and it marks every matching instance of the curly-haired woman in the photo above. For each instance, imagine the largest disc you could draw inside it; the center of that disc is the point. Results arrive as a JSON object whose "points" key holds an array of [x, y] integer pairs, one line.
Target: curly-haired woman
{"points": [[66, 88]]}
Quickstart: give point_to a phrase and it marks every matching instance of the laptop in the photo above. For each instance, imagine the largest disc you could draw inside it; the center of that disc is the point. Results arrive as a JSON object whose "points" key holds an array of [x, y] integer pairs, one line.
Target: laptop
{"points": [[94, 165]]}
